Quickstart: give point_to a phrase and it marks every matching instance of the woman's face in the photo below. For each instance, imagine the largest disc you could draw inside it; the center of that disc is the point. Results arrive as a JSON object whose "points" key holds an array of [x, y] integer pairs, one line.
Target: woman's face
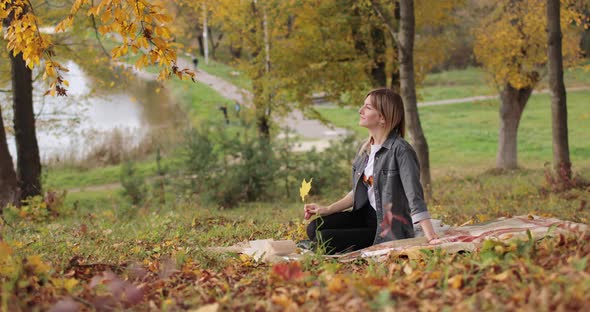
{"points": [[369, 116]]}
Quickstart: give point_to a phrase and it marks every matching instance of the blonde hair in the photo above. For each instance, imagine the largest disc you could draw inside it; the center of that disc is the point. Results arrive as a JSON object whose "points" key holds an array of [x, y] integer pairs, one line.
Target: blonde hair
{"points": [[391, 106]]}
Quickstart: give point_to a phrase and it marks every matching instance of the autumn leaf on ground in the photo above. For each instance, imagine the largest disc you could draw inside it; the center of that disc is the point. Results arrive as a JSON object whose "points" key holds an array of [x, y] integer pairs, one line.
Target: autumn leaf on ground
{"points": [[305, 188], [288, 271]]}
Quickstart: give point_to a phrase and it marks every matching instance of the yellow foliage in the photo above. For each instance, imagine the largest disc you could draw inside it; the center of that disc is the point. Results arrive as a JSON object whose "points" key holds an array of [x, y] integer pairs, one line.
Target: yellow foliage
{"points": [[5, 251], [511, 43], [37, 265], [456, 281], [337, 283], [141, 25], [8, 265], [68, 284], [305, 188]]}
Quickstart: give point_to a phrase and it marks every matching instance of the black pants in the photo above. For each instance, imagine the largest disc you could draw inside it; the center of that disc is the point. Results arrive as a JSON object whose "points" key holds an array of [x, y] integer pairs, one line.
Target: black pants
{"points": [[344, 231]]}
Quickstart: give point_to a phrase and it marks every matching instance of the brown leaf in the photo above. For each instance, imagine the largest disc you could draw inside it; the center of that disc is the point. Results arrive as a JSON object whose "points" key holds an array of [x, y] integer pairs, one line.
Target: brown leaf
{"points": [[133, 295], [456, 281], [65, 305], [288, 271]]}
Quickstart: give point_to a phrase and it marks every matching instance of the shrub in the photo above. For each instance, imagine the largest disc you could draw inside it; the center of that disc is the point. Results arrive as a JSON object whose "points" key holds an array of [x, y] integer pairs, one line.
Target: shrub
{"points": [[228, 170], [329, 168], [37, 208], [134, 187]]}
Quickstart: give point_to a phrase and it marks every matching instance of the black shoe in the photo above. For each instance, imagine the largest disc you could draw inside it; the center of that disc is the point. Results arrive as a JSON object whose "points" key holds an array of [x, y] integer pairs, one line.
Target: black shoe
{"points": [[307, 244]]}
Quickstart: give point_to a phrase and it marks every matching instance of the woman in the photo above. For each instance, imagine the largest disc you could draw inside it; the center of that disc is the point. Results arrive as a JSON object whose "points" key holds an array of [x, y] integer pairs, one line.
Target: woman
{"points": [[387, 197]]}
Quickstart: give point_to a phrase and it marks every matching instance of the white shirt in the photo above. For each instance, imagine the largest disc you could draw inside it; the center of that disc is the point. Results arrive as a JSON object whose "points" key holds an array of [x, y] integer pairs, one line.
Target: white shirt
{"points": [[369, 173]]}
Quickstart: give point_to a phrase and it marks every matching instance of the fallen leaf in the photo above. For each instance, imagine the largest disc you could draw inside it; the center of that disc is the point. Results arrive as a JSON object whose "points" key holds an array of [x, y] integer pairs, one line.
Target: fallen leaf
{"points": [[65, 305], [501, 277], [213, 307], [288, 271], [456, 281], [285, 302]]}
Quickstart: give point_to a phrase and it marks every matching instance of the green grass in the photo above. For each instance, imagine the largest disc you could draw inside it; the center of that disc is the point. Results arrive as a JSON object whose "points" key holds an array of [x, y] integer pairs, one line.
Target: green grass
{"points": [[466, 135], [455, 84], [473, 81], [457, 199], [224, 71], [73, 177], [163, 248], [201, 101]]}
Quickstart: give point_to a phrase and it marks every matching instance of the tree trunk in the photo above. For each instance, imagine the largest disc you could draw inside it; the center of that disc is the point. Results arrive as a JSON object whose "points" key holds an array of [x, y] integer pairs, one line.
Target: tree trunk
{"points": [[205, 33], [260, 103], [513, 104], [395, 76], [200, 41], [378, 70], [8, 188], [235, 52], [408, 91], [214, 44], [28, 162], [561, 154]]}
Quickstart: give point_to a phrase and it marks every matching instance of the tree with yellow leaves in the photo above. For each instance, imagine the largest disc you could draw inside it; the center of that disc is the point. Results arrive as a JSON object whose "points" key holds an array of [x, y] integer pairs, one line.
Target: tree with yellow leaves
{"points": [[142, 28], [511, 43], [408, 18]]}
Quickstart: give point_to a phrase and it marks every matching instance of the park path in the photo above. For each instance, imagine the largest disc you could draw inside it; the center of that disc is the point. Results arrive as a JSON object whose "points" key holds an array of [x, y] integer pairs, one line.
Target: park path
{"points": [[314, 133], [480, 98]]}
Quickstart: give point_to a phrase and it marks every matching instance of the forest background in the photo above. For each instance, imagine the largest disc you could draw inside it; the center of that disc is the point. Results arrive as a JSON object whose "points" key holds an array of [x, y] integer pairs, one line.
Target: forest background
{"points": [[122, 218]]}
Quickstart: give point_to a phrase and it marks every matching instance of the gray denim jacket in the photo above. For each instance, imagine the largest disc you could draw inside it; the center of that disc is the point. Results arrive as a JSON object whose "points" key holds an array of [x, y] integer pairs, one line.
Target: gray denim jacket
{"points": [[397, 187]]}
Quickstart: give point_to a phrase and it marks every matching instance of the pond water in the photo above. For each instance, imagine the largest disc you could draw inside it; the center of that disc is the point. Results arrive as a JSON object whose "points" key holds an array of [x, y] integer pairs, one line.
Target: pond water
{"points": [[71, 127]]}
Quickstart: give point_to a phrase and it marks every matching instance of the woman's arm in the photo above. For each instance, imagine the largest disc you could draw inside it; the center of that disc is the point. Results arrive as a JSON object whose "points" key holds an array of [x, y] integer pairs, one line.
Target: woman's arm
{"points": [[342, 204], [410, 178], [428, 230]]}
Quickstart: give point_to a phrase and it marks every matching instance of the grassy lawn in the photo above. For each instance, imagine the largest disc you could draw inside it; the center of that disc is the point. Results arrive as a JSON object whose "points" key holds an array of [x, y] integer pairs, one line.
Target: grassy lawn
{"points": [[466, 135], [473, 81], [158, 254], [455, 84], [224, 71], [70, 177]]}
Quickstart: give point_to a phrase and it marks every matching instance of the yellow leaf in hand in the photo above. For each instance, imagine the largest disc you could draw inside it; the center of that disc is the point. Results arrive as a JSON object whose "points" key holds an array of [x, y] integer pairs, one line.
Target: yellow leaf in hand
{"points": [[305, 187]]}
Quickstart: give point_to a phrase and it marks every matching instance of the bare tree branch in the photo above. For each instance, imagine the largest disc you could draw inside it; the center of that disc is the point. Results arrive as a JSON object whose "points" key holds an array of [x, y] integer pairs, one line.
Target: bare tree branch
{"points": [[98, 37]]}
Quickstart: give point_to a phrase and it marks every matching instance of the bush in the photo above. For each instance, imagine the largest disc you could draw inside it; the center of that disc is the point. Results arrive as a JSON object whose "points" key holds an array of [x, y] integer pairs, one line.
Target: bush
{"points": [[228, 170], [37, 208], [134, 187], [330, 168]]}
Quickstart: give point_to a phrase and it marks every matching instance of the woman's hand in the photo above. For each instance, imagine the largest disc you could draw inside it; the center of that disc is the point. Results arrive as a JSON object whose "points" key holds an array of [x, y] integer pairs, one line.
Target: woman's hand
{"points": [[314, 209], [431, 236]]}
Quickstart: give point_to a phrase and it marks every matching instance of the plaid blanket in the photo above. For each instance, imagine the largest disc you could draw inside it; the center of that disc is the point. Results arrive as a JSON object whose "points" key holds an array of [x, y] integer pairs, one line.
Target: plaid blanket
{"points": [[469, 238], [454, 239]]}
